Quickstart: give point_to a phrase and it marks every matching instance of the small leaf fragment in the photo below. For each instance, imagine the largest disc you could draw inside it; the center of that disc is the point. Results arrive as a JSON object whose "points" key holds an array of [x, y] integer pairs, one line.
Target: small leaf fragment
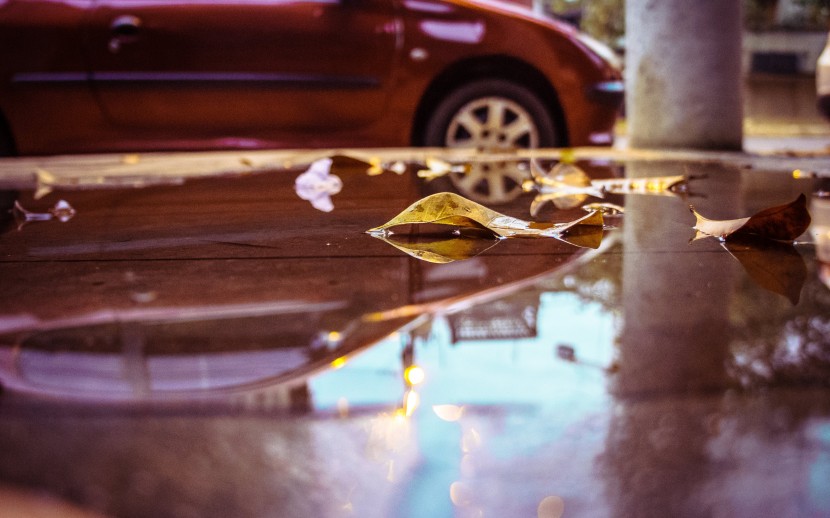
{"points": [[780, 223], [62, 211], [660, 185], [565, 185], [436, 168], [607, 209]]}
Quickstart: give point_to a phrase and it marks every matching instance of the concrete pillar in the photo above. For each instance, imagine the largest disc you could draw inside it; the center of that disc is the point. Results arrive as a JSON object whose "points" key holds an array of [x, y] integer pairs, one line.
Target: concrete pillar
{"points": [[683, 74]]}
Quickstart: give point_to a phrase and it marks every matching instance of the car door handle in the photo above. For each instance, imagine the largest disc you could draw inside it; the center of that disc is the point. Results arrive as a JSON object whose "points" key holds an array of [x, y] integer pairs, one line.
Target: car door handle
{"points": [[125, 25], [124, 29]]}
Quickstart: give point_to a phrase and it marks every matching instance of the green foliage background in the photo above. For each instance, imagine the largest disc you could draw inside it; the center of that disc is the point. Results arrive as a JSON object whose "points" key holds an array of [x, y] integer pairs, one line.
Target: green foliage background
{"points": [[602, 19], [605, 19]]}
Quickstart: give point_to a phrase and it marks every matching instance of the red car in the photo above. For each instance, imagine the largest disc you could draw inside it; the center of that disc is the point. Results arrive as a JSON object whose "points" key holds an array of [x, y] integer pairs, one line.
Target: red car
{"points": [[140, 75]]}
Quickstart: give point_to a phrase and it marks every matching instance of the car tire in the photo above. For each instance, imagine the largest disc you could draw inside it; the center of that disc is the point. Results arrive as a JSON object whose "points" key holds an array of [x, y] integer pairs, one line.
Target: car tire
{"points": [[489, 116]]}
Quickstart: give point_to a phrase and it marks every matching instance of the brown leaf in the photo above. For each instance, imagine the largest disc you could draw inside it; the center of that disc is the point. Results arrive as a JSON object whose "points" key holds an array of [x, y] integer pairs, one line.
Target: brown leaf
{"points": [[781, 223]]}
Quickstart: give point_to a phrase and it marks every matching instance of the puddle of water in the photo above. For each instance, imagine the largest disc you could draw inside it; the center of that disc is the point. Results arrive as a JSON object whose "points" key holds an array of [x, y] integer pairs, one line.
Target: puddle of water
{"points": [[651, 372], [248, 256]]}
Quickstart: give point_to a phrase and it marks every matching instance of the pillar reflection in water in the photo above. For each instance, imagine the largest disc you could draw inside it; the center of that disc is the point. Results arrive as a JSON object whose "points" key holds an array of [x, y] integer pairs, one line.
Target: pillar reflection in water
{"points": [[673, 344]]}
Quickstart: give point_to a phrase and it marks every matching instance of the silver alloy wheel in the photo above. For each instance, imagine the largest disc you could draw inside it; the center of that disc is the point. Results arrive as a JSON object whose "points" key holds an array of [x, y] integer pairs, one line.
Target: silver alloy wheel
{"points": [[492, 124]]}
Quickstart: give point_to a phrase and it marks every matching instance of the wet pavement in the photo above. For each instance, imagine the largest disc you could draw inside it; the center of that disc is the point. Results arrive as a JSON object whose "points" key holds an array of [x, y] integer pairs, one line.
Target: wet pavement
{"points": [[238, 345]]}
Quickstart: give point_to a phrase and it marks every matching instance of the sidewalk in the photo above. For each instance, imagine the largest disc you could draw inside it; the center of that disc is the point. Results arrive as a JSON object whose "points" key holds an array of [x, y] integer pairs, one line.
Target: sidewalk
{"points": [[780, 117], [785, 138]]}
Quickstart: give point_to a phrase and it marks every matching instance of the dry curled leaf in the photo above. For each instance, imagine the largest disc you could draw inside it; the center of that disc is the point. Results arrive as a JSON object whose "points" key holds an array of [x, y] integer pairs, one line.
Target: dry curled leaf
{"points": [[436, 168], [62, 211], [659, 185], [567, 186], [781, 223], [450, 209]]}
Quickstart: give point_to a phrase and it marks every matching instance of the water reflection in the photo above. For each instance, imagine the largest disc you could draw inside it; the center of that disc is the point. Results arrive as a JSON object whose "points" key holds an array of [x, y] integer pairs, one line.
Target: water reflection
{"points": [[650, 373]]}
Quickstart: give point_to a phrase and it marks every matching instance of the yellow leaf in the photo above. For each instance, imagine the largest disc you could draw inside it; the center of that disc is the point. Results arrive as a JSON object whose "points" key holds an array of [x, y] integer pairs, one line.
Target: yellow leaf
{"points": [[450, 209], [437, 168], [566, 185]]}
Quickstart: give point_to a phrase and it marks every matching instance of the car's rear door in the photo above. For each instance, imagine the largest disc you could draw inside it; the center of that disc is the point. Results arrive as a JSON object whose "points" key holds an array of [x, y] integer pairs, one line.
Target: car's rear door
{"points": [[44, 82], [222, 67]]}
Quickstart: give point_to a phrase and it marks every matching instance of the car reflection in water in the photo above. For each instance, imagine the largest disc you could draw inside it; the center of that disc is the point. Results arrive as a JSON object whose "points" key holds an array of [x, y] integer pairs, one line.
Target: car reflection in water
{"points": [[273, 285], [648, 373]]}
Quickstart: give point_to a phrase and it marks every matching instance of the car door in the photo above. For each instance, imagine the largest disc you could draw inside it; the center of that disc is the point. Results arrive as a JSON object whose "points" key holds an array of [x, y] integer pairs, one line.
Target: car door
{"points": [[242, 67], [45, 93]]}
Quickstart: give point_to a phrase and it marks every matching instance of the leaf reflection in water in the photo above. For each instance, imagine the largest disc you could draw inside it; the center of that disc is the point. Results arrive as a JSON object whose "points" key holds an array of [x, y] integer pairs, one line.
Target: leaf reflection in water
{"points": [[441, 248], [775, 266]]}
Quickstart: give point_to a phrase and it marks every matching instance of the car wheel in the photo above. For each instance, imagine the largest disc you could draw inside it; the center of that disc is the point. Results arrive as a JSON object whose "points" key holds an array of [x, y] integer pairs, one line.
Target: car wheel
{"points": [[490, 116]]}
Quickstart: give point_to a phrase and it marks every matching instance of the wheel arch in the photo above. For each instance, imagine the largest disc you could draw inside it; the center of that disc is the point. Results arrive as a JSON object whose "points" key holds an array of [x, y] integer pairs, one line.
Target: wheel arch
{"points": [[489, 67]]}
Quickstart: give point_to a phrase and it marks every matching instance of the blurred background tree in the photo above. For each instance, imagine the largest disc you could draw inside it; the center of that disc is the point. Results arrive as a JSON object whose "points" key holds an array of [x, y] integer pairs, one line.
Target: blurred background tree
{"points": [[605, 19], [602, 19], [809, 15]]}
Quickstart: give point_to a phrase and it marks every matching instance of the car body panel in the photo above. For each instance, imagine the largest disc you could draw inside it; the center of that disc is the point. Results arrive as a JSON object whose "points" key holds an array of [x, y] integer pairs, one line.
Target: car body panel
{"points": [[283, 65], [44, 89], [218, 74]]}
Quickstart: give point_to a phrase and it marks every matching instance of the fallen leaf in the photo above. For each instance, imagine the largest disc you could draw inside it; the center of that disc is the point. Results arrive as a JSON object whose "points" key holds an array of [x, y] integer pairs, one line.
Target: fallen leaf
{"points": [[774, 265], [660, 185], [781, 223], [568, 186], [62, 211], [436, 168], [450, 209], [565, 185]]}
